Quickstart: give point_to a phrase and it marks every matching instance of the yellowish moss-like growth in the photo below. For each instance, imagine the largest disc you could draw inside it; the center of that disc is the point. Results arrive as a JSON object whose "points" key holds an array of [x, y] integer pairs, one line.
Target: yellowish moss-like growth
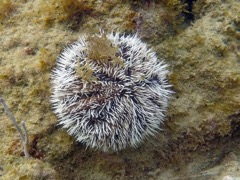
{"points": [[22, 168], [6, 8], [170, 10], [85, 72], [59, 141], [6, 76], [159, 20], [175, 8], [205, 75], [46, 59], [101, 50], [59, 11]]}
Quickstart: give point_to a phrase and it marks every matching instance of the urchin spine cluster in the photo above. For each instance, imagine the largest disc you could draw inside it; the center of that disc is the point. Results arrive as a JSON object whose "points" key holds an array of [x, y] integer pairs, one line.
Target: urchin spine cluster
{"points": [[110, 91]]}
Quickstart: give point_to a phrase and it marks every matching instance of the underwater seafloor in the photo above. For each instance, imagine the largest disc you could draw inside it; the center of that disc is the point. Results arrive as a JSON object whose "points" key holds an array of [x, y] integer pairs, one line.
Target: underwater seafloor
{"points": [[199, 39]]}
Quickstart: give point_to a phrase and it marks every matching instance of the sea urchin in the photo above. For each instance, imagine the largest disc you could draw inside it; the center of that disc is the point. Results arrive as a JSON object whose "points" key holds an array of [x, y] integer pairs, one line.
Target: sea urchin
{"points": [[109, 90]]}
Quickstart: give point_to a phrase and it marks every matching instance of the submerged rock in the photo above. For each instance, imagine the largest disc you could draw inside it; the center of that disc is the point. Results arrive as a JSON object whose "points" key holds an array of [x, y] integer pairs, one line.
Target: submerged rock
{"points": [[203, 118]]}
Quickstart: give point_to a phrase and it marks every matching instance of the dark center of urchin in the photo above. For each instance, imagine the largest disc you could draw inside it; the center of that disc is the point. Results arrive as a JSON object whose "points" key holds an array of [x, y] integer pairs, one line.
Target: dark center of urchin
{"points": [[107, 87], [98, 79], [102, 89]]}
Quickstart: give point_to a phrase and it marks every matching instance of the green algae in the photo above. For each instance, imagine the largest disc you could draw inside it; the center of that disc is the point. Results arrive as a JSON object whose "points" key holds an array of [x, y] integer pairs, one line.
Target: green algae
{"points": [[7, 7]]}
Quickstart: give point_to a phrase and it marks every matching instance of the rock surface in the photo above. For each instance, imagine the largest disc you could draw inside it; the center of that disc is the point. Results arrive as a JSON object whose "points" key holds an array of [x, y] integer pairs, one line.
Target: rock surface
{"points": [[201, 135]]}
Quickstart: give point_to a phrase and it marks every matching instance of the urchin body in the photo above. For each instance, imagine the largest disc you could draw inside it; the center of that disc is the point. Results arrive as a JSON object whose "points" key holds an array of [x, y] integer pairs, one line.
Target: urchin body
{"points": [[110, 91]]}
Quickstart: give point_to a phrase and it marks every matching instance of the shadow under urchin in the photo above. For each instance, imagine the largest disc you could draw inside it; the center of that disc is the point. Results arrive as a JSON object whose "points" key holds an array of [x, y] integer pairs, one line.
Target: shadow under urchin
{"points": [[110, 91]]}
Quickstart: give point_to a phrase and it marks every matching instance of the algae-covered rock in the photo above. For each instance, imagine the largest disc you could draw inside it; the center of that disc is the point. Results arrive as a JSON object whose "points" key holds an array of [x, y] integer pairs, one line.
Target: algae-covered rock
{"points": [[205, 74], [23, 168], [202, 123]]}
